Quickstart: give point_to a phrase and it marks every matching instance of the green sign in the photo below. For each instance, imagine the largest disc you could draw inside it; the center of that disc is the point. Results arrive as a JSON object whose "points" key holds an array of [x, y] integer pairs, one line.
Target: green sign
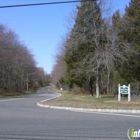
{"points": [[124, 90]]}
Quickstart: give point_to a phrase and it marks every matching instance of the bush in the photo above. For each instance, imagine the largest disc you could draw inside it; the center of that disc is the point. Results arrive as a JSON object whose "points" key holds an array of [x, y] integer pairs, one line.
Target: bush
{"points": [[77, 90]]}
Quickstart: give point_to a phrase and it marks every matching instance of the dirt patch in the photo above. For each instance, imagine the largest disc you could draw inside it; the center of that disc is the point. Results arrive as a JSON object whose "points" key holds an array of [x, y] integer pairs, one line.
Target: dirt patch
{"points": [[124, 102]]}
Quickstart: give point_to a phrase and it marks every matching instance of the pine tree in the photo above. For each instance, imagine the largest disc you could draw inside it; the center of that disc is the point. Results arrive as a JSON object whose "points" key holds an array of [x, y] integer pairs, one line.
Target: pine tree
{"points": [[116, 18], [85, 38], [132, 35], [133, 17], [133, 14]]}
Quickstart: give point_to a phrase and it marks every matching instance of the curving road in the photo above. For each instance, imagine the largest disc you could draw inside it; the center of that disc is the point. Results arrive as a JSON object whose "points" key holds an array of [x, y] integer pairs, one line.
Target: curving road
{"points": [[21, 119]]}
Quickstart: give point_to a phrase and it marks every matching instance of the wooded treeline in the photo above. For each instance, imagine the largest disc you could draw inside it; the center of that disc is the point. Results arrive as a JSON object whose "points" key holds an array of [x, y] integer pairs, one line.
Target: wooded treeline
{"points": [[17, 64], [99, 52]]}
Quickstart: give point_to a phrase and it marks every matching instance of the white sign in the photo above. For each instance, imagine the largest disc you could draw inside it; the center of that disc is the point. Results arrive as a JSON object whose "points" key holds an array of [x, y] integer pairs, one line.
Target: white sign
{"points": [[124, 90], [61, 89]]}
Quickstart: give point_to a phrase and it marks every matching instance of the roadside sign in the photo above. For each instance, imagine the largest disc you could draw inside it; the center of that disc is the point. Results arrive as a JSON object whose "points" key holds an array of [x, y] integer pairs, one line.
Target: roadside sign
{"points": [[124, 90]]}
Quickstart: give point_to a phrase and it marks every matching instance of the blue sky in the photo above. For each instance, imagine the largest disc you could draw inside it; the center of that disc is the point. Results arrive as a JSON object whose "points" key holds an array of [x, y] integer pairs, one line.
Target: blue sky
{"points": [[40, 28]]}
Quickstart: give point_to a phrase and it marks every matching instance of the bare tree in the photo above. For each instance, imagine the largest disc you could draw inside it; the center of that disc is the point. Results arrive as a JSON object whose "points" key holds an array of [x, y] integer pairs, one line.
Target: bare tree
{"points": [[16, 61], [59, 68]]}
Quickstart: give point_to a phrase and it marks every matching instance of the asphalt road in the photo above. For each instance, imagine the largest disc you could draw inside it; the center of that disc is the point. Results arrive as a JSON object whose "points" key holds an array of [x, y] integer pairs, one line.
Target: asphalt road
{"points": [[22, 119]]}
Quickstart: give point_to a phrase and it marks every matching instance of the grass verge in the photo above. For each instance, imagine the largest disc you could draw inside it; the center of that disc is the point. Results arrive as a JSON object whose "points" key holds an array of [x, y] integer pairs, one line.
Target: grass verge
{"points": [[87, 101]]}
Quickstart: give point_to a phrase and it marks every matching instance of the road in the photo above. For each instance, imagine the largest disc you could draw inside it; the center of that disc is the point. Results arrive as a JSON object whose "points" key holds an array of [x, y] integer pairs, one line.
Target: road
{"points": [[22, 119]]}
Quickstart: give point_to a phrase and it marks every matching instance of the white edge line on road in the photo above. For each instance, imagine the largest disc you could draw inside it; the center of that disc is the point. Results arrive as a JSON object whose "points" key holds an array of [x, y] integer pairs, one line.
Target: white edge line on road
{"points": [[41, 105], [113, 114], [10, 99]]}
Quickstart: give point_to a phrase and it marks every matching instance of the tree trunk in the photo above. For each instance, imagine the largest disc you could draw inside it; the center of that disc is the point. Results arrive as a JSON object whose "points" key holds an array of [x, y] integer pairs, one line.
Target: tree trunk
{"points": [[97, 84], [108, 81]]}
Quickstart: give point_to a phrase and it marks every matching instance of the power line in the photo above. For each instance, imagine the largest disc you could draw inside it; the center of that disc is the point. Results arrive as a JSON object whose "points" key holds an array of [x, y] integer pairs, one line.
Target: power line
{"points": [[49, 3]]}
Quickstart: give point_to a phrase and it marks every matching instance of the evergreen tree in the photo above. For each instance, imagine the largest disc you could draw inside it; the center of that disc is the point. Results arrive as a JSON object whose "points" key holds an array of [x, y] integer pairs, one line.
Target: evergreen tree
{"points": [[82, 42], [133, 17], [116, 18], [131, 33], [93, 48]]}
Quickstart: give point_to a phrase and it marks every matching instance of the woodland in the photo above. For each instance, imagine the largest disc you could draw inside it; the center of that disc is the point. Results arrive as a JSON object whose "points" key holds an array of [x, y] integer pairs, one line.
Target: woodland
{"points": [[18, 68], [100, 51]]}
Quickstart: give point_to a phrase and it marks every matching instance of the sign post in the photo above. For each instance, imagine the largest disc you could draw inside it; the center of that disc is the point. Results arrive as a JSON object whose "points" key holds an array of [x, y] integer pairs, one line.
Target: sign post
{"points": [[124, 90]]}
